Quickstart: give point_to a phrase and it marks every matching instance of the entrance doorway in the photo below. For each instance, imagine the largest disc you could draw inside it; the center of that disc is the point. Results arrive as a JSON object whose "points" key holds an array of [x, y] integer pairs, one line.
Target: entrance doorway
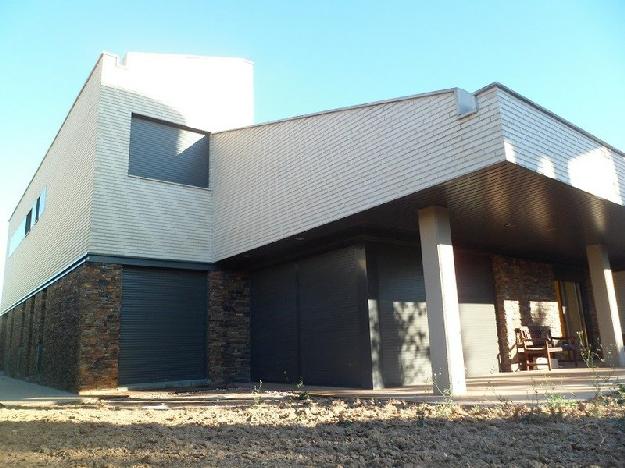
{"points": [[571, 309]]}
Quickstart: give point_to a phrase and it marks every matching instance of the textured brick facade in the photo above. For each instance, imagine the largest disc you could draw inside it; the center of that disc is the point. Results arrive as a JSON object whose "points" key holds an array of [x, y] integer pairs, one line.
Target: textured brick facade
{"points": [[228, 327], [525, 295], [66, 335], [100, 306]]}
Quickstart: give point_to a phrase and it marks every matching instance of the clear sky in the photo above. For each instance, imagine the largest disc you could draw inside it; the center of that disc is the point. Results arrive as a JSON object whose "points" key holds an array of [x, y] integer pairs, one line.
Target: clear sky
{"points": [[569, 56]]}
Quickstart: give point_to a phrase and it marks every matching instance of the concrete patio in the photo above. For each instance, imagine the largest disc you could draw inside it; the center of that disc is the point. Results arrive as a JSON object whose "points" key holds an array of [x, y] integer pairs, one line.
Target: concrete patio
{"points": [[517, 387], [14, 392]]}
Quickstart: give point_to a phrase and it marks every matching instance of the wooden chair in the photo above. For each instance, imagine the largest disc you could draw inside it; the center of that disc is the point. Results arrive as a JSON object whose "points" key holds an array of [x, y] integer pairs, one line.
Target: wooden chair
{"points": [[531, 347], [568, 345]]}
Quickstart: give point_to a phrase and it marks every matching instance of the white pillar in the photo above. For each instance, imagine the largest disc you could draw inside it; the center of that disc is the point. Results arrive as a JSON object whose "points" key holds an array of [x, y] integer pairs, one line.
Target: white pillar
{"points": [[605, 302], [442, 301]]}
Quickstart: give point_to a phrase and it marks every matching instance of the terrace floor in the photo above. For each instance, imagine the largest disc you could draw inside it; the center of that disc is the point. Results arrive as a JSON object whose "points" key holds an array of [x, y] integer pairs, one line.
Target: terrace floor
{"points": [[516, 387]]}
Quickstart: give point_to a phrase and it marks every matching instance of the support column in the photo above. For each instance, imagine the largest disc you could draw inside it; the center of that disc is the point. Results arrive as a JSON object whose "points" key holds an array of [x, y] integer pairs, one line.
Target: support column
{"points": [[448, 373], [604, 296]]}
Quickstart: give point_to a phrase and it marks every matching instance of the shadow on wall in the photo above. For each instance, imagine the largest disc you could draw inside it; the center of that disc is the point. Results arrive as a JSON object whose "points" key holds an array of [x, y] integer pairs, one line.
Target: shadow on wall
{"points": [[405, 343]]}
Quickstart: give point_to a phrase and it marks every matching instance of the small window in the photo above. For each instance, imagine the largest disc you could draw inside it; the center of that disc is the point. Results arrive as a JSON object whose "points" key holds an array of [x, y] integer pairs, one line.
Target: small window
{"points": [[17, 237], [28, 222], [164, 151], [28, 225], [42, 201], [37, 207]]}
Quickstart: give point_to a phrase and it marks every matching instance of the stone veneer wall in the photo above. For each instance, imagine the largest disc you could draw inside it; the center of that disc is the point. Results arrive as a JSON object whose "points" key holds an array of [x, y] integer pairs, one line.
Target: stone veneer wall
{"points": [[100, 306], [228, 327], [66, 335], [525, 295]]}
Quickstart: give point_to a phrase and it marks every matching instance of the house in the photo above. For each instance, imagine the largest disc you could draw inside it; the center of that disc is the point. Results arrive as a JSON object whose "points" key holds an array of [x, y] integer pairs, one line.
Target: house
{"points": [[167, 238]]}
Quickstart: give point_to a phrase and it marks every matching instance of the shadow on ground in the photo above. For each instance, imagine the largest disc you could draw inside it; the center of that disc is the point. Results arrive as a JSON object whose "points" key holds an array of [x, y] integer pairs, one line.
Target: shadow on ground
{"points": [[311, 433]]}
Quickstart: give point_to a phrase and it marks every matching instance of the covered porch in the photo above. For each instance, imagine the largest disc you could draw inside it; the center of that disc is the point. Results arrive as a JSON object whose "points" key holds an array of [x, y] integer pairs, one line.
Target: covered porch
{"points": [[497, 249]]}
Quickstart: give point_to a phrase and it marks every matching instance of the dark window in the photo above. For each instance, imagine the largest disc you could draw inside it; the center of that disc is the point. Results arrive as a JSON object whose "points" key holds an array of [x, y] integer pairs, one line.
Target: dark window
{"points": [[167, 152], [27, 225], [37, 205]]}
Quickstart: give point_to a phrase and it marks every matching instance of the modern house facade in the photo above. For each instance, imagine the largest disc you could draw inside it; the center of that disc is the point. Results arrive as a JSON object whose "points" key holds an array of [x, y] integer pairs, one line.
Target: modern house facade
{"points": [[165, 237]]}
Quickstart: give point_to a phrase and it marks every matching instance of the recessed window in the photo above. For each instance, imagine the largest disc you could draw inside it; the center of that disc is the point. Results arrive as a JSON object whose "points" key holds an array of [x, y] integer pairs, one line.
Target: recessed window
{"points": [[28, 222], [42, 202], [163, 151]]}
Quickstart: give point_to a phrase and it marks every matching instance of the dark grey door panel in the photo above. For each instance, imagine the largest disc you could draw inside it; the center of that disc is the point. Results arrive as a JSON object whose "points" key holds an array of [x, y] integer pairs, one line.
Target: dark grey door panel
{"points": [[162, 326], [307, 321], [404, 341], [330, 310], [274, 325], [476, 297]]}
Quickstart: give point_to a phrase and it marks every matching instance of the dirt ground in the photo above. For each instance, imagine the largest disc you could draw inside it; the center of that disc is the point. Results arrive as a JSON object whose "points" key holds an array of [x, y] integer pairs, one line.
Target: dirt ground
{"points": [[315, 432]]}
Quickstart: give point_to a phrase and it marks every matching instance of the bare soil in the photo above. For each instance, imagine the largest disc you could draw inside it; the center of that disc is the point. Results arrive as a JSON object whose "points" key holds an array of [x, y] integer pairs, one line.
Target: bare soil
{"points": [[315, 432]]}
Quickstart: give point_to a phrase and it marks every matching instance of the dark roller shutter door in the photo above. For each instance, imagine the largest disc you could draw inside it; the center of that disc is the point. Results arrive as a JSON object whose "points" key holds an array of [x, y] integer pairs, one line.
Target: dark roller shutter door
{"points": [[404, 334], [329, 317], [274, 324], [167, 152], [163, 325], [476, 297]]}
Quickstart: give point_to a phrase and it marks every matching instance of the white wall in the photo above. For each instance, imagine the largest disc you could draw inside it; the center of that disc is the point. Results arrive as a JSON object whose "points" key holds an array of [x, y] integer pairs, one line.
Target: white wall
{"points": [[540, 142], [275, 180], [94, 206], [62, 234], [147, 218]]}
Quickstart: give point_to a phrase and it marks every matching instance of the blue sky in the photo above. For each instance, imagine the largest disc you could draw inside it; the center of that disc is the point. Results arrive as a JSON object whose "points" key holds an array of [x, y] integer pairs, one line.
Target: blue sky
{"points": [[568, 56]]}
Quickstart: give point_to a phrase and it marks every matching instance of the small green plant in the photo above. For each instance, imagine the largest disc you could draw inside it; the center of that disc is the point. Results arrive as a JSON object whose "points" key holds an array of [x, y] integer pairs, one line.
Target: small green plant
{"points": [[557, 403], [619, 394], [302, 394], [591, 355], [258, 391], [448, 404]]}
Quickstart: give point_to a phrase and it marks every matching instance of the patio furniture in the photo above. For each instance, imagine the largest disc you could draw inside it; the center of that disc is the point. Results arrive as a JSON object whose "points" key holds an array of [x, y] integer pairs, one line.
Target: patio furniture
{"points": [[535, 342]]}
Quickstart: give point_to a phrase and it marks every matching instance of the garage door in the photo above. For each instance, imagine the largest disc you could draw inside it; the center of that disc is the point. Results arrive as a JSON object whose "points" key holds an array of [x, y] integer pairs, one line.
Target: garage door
{"points": [[405, 346], [162, 326], [274, 325], [476, 297], [308, 321], [330, 315]]}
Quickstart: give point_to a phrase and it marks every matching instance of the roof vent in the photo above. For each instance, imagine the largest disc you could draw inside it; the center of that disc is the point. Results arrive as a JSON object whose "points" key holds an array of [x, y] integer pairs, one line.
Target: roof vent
{"points": [[466, 103]]}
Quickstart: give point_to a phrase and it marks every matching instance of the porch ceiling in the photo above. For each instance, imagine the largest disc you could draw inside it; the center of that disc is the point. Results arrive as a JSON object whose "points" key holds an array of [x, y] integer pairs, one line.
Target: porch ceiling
{"points": [[501, 209]]}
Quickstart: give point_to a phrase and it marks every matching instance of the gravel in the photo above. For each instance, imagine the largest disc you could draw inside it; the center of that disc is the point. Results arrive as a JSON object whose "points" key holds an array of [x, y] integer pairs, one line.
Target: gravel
{"points": [[314, 432]]}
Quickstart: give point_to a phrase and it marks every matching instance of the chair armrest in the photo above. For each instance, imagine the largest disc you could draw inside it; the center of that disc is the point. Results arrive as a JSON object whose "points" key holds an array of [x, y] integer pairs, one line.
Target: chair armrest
{"points": [[568, 339]]}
